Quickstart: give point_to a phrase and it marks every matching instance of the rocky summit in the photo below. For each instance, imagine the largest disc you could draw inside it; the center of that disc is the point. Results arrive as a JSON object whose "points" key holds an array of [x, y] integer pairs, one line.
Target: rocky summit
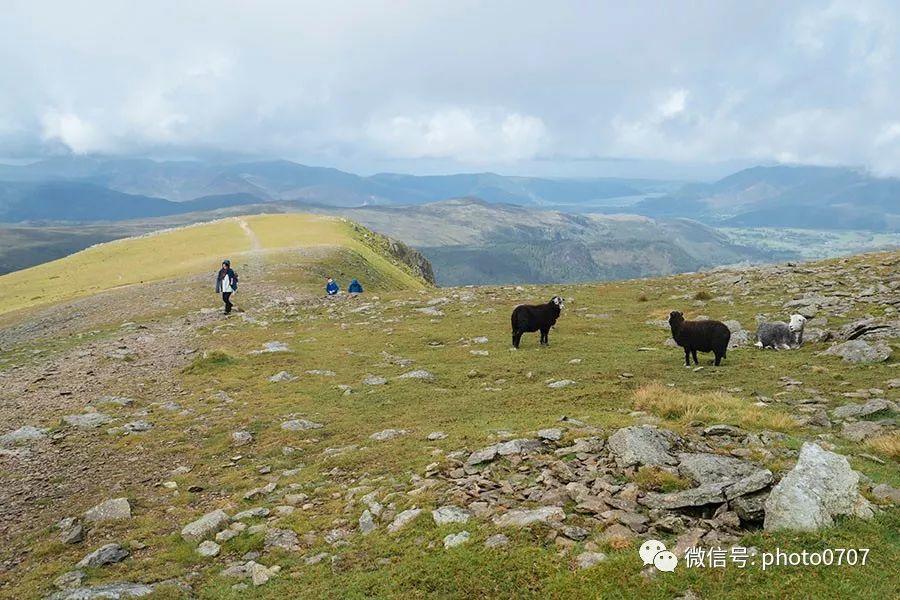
{"points": [[391, 444]]}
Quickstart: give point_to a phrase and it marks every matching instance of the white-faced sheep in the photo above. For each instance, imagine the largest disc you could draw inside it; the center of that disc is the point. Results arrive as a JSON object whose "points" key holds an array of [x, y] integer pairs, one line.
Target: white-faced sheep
{"points": [[705, 336], [540, 317], [781, 336]]}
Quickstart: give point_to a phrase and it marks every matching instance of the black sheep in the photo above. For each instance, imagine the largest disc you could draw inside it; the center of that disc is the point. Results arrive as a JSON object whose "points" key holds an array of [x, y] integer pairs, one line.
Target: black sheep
{"points": [[705, 336], [540, 317]]}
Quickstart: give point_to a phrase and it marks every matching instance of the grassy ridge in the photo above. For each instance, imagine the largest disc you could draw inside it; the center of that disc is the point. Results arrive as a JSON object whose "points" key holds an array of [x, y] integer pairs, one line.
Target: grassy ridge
{"points": [[187, 250]]}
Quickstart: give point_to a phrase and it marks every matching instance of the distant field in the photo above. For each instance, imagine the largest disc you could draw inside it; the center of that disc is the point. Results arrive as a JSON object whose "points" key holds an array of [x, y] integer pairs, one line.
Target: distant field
{"points": [[179, 252], [811, 243]]}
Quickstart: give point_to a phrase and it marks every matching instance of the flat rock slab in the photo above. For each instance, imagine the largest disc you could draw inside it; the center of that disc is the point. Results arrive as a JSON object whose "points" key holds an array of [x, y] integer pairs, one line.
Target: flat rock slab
{"points": [[643, 445], [114, 509], [22, 435], [819, 487], [526, 517], [387, 434], [417, 374], [450, 514], [87, 420], [300, 425], [860, 351], [106, 591]]}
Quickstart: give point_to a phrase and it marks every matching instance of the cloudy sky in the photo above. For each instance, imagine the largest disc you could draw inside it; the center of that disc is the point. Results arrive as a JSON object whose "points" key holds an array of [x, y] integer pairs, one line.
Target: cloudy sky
{"points": [[555, 88]]}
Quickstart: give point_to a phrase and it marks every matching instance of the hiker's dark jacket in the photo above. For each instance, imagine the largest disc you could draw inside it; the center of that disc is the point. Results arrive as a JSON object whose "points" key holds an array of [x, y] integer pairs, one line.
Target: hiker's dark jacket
{"points": [[223, 273]]}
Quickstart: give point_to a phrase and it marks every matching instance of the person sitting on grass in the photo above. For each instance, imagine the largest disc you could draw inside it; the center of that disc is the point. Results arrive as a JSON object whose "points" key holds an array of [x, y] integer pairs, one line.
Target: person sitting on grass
{"points": [[226, 284], [331, 287], [355, 287]]}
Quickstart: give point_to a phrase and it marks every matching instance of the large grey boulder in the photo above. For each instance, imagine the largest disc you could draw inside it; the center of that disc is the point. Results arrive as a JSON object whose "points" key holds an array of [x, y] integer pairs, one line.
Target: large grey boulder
{"points": [[450, 514], [861, 430], [819, 487], [114, 509], [860, 351], [206, 526], [643, 445]]}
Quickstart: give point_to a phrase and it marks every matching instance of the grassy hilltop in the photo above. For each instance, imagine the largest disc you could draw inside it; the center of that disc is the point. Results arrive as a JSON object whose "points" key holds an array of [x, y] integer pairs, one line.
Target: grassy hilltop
{"points": [[300, 450]]}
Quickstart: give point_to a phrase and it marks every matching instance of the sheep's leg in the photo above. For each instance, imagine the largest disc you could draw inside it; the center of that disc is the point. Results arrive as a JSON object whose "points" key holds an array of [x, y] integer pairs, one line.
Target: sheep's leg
{"points": [[694, 354], [516, 338], [719, 359], [687, 357], [545, 339]]}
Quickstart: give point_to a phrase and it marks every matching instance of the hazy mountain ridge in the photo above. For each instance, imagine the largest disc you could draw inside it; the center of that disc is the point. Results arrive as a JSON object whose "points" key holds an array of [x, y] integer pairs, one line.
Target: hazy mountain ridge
{"points": [[285, 180], [787, 196]]}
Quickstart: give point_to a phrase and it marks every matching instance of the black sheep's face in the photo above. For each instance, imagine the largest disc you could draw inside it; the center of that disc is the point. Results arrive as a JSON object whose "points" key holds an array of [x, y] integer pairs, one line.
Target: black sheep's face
{"points": [[676, 317], [557, 301]]}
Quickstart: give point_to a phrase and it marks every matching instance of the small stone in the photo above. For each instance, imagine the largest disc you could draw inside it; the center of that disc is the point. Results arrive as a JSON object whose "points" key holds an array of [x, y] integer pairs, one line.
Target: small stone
{"points": [[456, 539], [300, 425], [387, 434], [205, 526], [526, 517], [586, 560], [560, 383], [886, 493], [104, 555], [450, 514], [282, 376], [403, 519], [69, 580], [554, 434], [208, 549], [374, 380], [70, 531], [241, 438], [417, 374], [496, 541], [367, 523], [435, 436]]}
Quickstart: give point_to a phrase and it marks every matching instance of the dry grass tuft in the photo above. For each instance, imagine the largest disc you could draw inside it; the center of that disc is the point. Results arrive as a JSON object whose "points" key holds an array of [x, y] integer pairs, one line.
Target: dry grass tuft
{"points": [[709, 407], [703, 295], [888, 444], [656, 480]]}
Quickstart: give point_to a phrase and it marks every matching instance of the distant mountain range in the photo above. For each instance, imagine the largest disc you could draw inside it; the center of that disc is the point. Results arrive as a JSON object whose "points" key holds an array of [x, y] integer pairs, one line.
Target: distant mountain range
{"points": [[180, 181], [786, 196], [91, 189]]}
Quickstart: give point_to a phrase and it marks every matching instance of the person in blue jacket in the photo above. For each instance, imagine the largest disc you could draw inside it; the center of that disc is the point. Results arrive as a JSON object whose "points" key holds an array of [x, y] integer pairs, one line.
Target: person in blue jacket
{"points": [[355, 287], [331, 287]]}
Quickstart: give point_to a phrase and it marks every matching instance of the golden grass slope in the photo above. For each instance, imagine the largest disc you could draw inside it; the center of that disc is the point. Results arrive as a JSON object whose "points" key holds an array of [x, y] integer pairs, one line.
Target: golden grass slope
{"points": [[185, 251]]}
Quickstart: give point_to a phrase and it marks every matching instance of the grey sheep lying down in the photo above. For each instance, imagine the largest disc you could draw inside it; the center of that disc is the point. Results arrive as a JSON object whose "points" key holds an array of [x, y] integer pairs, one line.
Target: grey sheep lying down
{"points": [[781, 336]]}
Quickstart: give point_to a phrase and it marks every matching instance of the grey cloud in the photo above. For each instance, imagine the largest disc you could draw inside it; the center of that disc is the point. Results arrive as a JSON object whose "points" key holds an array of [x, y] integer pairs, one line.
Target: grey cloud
{"points": [[461, 85]]}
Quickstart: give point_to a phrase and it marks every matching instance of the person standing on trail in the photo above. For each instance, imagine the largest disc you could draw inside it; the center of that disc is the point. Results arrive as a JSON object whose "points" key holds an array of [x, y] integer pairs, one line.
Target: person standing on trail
{"points": [[355, 287], [331, 287], [226, 284]]}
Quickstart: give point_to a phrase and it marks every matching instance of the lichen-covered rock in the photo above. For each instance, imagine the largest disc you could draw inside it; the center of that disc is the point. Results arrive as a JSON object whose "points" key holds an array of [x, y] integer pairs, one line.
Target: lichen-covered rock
{"points": [[643, 445], [819, 487], [860, 351], [206, 526]]}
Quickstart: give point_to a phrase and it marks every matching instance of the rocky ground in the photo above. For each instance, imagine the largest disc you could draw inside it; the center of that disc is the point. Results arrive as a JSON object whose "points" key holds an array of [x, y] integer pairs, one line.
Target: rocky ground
{"points": [[305, 448]]}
